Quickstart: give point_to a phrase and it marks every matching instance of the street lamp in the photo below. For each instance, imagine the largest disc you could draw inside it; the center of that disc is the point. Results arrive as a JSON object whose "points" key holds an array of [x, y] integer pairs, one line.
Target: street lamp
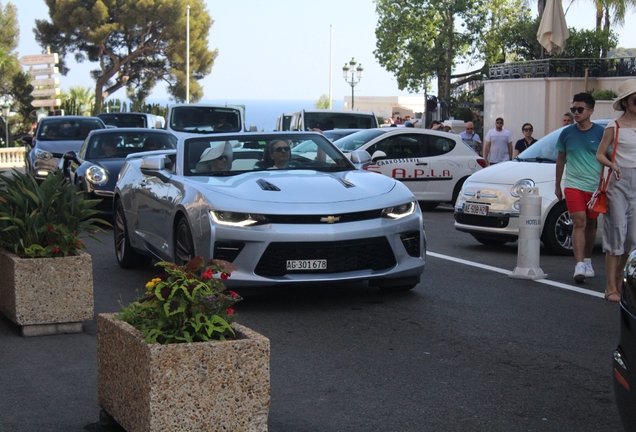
{"points": [[356, 72], [5, 115]]}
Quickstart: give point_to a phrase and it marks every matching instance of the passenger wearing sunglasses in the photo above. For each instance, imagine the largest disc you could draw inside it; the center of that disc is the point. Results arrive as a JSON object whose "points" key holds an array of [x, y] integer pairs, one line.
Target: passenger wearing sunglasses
{"points": [[526, 141], [472, 138], [217, 158], [498, 147], [577, 146]]}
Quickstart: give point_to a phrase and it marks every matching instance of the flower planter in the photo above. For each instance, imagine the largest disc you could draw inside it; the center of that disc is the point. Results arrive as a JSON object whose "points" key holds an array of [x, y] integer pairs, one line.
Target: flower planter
{"points": [[201, 386], [46, 295]]}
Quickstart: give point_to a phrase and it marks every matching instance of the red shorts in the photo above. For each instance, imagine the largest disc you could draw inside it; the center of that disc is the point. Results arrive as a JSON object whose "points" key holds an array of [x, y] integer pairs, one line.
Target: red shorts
{"points": [[576, 200]]}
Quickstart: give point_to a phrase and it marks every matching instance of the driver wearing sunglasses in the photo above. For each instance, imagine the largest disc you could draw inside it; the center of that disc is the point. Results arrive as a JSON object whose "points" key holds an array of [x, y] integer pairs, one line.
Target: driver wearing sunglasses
{"points": [[279, 153]]}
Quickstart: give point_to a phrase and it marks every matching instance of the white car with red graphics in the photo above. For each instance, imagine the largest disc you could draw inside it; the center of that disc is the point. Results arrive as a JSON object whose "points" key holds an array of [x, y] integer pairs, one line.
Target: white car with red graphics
{"points": [[432, 164]]}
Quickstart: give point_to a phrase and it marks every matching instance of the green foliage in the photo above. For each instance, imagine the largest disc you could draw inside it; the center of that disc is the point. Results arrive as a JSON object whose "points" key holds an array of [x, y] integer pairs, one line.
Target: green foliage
{"points": [[322, 102], [621, 52], [135, 43], [185, 304], [44, 220], [588, 43], [607, 94]]}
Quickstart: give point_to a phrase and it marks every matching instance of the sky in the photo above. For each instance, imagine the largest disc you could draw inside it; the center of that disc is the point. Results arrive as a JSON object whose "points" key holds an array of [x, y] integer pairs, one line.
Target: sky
{"points": [[282, 49]]}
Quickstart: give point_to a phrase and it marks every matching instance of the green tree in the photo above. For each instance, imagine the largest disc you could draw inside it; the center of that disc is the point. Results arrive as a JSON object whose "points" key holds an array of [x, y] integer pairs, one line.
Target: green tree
{"points": [[322, 102], [135, 43]]}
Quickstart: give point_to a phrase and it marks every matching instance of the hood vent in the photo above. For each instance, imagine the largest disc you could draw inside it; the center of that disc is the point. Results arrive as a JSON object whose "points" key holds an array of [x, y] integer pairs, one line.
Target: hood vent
{"points": [[267, 186], [347, 183]]}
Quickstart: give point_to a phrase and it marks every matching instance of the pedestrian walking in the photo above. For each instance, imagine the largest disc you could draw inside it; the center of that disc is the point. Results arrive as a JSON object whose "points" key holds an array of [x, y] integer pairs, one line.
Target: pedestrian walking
{"points": [[619, 224], [498, 147], [526, 141], [472, 138], [577, 146]]}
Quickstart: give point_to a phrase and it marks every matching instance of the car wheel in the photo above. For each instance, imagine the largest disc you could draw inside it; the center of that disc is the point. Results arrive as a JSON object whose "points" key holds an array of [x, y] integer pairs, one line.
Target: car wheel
{"points": [[183, 245], [428, 206], [557, 230], [127, 257], [458, 188], [489, 241]]}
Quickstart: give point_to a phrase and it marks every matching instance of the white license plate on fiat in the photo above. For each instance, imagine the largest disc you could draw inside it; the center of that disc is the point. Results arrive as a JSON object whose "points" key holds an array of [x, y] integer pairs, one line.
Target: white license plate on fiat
{"points": [[476, 209], [316, 264]]}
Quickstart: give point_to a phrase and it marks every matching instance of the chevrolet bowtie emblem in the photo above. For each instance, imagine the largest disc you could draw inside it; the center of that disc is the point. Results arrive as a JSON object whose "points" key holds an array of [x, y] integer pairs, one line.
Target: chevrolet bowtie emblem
{"points": [[330, 219]]}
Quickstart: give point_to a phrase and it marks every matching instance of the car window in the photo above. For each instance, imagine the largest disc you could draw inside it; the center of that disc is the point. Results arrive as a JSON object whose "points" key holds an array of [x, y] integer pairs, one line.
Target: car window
{"points": [[125, 120], [209, 156], [438, 146], [400, 146], [205, 119]]}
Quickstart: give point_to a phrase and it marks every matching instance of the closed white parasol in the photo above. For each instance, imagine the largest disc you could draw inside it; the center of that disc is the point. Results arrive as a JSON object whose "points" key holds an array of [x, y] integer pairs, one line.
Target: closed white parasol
{"points": [[553, 30]]}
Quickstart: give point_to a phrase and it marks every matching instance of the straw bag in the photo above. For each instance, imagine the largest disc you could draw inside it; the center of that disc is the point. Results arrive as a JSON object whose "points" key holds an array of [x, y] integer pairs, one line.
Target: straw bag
{"points": [[598, 202]]}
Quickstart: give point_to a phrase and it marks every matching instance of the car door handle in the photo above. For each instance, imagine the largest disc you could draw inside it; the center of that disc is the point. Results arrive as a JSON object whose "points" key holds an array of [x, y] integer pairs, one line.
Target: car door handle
{"points": [[422, 163]]}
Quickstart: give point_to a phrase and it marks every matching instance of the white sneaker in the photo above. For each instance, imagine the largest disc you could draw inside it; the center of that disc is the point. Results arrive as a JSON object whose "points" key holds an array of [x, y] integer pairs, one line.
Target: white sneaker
{"points": [[589, 270], [579, 272]]}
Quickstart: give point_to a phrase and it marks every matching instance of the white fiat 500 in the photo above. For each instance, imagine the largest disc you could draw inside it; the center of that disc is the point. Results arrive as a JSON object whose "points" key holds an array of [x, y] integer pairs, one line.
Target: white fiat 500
{"points": [[432, 164], [488, 205]]}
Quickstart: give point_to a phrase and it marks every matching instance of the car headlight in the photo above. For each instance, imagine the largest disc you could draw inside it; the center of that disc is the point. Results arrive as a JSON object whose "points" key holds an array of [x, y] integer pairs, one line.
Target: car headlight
{"points": [[43, 155], [237, 219], [517, 189], [398, 212], [96, 175]]}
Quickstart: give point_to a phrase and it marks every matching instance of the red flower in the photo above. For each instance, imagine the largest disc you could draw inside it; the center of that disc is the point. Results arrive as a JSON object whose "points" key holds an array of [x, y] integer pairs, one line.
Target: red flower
{"points": [[207, 274], [224, 276], [49, 228], [230, 311], [55, 249], [79, 243], [233, 294], [51, 242]]}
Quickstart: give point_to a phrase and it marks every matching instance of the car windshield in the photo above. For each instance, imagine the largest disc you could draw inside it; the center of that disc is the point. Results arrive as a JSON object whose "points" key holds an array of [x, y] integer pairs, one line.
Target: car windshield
{"points": [[336, 134], [358, 139], [124, 120], [116, 144], [212, 156], [544, 150], [205, 119], [64, 129]]}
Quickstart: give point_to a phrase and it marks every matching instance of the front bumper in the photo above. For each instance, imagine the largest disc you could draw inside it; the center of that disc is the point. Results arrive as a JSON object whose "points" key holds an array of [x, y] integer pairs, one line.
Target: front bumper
{"points": [[377, 250]]}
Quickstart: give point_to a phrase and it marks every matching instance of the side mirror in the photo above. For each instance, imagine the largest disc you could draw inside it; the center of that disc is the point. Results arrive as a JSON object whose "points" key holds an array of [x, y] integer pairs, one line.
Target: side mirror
{"points": [[27, 140], [360, 157], [70, 156], [378, 154], [153, 163]]}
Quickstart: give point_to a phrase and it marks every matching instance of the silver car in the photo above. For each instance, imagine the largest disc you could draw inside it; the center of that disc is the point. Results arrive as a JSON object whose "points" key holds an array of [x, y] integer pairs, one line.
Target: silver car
{"points": [[280, 217]]}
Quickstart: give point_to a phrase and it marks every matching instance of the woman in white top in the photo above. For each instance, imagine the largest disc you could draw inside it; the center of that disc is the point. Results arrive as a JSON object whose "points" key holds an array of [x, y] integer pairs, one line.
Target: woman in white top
{"points": [[619, 224]]}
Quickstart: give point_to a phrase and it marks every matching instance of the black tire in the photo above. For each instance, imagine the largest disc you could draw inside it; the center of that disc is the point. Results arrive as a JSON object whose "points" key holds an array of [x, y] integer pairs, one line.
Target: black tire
{"points": [[557, 230], [428, 205], [489, 241], [127, 257], [183, 244], [458, 188]]}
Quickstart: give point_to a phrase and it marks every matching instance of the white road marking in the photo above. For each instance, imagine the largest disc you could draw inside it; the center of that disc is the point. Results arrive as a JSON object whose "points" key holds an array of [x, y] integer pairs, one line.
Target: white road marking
{"points": [[507, 272]]}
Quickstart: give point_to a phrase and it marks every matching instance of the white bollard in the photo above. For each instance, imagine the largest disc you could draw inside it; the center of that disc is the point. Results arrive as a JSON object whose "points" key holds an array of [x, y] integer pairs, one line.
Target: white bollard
{"points": [[528, 249]]}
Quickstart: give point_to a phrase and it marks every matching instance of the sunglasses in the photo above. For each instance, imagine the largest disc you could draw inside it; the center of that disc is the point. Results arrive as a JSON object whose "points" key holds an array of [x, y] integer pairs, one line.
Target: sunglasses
{"points": [[528, 130], [281, 149], [221, 158], [499, 122], [577, 110]]}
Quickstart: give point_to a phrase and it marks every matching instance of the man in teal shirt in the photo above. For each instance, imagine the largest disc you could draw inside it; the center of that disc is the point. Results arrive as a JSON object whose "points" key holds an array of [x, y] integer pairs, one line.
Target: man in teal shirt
{"points": [[577, 147]]}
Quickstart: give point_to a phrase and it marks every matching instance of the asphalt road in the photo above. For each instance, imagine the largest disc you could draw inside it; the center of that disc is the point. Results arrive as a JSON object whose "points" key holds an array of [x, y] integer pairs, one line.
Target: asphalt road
{"points": [[469, 349]]}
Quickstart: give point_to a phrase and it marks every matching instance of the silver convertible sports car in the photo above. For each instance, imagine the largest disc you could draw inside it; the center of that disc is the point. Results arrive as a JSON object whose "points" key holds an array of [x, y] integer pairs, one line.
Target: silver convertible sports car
{"points": [[280, 217]]}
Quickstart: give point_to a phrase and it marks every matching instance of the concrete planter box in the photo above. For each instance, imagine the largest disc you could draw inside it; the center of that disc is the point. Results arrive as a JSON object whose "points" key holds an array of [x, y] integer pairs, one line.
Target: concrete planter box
{"points": [[46, 295], [202, 386]]}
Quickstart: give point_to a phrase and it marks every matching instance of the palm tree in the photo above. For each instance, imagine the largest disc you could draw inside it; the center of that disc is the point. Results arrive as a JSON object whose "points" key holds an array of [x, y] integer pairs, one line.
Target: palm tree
{"points": [[83, 98]]}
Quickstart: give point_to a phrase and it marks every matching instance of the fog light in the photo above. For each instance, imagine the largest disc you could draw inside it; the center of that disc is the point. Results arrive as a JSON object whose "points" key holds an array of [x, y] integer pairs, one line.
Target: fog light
{"points": [[42, 173], [516, 205]]}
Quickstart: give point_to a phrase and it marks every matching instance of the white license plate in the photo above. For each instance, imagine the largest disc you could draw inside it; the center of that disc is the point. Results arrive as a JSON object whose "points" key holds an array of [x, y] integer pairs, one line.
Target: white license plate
{"points": [[320, 264], [476, 209]]}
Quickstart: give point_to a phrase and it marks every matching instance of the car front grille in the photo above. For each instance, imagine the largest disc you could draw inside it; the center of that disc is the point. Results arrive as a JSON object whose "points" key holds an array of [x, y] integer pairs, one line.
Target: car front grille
{"points": [[342, 256], [322, 219], [483, 221]]}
